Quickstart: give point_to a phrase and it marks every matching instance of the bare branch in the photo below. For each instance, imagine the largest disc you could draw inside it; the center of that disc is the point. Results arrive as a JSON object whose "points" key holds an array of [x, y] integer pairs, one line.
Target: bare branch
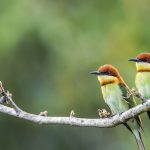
{"points": [[72, 120], [83, 122]]}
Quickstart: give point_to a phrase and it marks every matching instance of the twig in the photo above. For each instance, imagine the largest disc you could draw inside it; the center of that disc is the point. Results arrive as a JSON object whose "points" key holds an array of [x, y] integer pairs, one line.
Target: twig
{"points": [[8, 98]]}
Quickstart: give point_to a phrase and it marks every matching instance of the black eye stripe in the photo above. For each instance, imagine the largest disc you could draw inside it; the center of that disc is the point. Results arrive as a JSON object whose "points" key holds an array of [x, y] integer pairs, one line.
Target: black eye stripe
{"points": [[145, 60], [109, 73]]}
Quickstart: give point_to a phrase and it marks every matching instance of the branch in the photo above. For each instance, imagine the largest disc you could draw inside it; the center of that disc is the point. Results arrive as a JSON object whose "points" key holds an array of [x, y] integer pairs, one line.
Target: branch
{"points": [[83, 122], [72, 120]]}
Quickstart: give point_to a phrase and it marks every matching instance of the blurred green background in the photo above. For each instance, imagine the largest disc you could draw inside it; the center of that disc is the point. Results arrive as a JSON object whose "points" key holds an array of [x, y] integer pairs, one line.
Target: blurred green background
{"points": [[48, 48]]}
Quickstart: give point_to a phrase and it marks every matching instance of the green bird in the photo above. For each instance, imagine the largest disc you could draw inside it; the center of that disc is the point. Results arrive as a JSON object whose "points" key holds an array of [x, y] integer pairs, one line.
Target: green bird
{"points": [[142, 80], [117, 96]]}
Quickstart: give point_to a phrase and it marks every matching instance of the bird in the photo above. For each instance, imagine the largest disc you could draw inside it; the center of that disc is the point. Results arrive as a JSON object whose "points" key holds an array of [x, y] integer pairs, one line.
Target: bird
{"points": [[142, 80], [118, 97]]}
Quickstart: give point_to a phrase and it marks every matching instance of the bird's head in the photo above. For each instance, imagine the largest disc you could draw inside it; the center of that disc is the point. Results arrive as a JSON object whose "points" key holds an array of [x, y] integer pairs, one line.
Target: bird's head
{"points": [[108, 74], [142, 62]]}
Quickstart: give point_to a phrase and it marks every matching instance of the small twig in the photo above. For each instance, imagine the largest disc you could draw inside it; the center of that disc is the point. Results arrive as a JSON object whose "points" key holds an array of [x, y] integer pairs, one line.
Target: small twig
{"points": [[72, 114], [8, 98], [44, 113]]}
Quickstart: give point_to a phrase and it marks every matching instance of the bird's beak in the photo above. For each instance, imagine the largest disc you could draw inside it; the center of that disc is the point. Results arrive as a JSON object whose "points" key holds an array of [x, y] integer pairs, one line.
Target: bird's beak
{"points": [[96, 72], [134, 59]]}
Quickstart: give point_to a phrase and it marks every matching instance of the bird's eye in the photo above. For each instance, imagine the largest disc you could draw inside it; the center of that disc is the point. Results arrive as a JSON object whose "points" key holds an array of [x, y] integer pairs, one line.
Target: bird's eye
{"points": [[109, 73], [106, 72], [146, 59]]}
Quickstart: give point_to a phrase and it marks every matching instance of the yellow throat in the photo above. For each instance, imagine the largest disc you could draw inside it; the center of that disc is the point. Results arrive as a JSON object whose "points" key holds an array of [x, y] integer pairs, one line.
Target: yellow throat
{"points": [[105, 79], [143, 67]]}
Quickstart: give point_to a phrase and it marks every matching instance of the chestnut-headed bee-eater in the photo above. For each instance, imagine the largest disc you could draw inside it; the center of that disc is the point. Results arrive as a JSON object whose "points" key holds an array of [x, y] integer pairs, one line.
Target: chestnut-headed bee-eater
{"points": [[142, 80], [117, 96]]}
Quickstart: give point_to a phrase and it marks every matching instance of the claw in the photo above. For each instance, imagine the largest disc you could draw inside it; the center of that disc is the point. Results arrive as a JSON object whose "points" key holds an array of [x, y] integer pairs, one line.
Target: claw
{"points": [[103, 113]]}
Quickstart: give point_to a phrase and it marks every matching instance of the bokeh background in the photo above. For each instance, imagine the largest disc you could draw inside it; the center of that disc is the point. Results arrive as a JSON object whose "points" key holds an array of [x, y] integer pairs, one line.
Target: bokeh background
{"points": [[48, 48]]}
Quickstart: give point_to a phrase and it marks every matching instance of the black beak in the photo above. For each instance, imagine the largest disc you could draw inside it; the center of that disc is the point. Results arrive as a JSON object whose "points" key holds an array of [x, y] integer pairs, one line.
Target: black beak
{"points": [[96, 72], [134, 59]]}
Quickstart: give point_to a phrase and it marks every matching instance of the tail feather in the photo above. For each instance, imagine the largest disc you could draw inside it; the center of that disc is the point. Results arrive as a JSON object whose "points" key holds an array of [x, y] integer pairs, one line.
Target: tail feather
{"points": [[138, 137], [139, 141]]}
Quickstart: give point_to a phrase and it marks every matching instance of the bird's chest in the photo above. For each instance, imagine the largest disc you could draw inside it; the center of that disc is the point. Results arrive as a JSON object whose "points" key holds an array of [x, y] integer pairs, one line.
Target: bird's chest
{"points": [[143, 83], [112, 95]]}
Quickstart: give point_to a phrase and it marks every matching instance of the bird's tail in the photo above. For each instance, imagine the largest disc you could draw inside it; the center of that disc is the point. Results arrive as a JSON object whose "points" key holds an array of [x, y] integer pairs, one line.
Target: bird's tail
{"points": [[139, 140], [148, 113]]}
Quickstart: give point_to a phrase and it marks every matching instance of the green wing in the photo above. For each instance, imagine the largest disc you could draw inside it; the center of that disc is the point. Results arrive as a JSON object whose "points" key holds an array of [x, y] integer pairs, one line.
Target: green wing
{"points": [[127, 96]]}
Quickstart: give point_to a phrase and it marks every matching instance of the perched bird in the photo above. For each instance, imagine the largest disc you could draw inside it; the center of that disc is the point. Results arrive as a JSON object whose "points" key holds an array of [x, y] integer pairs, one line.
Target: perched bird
{"points": [[117, 96], [142, 80]]}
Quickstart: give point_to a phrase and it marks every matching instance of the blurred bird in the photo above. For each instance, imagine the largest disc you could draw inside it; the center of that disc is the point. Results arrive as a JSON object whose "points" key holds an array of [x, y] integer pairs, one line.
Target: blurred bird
{"points": [[117, 96], [142, 80]]}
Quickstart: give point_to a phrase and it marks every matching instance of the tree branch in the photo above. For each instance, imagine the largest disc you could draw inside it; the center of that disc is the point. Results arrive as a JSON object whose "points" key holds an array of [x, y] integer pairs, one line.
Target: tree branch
{"points": [[83, 122], [72, 120]]}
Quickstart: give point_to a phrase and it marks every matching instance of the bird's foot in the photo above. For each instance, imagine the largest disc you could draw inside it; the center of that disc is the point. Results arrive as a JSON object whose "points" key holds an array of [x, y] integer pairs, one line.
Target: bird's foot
{"points": [[138, 95], [128, 96], [143, 100], [103, 113], [135, 92]]}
